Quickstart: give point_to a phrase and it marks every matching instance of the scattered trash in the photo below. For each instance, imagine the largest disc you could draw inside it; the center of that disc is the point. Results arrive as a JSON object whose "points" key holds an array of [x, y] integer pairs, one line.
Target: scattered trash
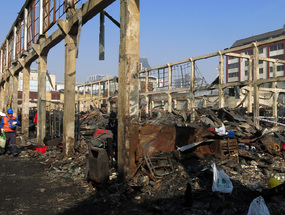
{"points": [[258, 207], [221, 130], [41, 149], [221, 181], [273, 182], [2, 140]]}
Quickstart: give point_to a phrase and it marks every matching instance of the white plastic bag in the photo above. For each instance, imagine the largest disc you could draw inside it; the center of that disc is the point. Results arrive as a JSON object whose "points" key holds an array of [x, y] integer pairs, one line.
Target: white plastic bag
{"points": [[2, 140], [221, 131], [221, 181], [258, 207]]}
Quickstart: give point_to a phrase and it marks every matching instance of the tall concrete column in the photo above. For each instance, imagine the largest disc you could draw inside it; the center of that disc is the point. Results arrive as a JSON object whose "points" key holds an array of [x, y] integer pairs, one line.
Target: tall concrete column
{"points": [[128, 100], [276, 94], [6, 94], [169, 87], [91, 94], [2, 93], [255, 86], [41, 126], [84, 96], [249, 95], [99, 97], [15, 95], [169, 102], [221, 81], [108, 100], [192, 87], [78, 101], [1, 61], [147, 105], [146, 90], [25, 101], [69, 94]]}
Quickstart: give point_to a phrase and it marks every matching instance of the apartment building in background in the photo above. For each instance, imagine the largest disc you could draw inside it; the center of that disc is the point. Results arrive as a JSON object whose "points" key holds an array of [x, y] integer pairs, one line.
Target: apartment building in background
{"points": [[237, 68], [50, 82]]}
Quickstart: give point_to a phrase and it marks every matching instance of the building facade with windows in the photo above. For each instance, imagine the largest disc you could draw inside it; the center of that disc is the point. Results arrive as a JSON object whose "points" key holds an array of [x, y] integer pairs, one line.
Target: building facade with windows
{"points": [[50, 82], [237, 68]]}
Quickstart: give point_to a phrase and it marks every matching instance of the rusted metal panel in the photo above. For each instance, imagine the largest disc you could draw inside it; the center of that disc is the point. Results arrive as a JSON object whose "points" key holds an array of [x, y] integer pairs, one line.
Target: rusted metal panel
{"points": [[156, 138], [270, 144]]}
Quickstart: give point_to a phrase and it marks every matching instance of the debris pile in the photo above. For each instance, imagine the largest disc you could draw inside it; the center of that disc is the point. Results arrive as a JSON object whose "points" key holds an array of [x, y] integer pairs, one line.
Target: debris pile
{"points": [[174, 174]]}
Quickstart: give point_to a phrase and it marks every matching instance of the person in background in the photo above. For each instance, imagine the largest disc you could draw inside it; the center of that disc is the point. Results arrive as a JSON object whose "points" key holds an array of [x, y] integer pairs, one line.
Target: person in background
{"points": [[36, 118], [9, 124], [113, 126]]}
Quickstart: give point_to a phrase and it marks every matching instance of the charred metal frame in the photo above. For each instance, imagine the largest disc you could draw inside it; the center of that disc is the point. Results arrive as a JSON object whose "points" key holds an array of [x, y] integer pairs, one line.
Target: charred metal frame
{"points": [[35, 18], [165, 74], [52, 11]]}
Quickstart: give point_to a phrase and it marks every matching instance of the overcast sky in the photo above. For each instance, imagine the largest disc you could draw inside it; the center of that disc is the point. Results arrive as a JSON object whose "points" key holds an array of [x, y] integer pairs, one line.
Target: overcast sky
{"points": [[170, 31]]}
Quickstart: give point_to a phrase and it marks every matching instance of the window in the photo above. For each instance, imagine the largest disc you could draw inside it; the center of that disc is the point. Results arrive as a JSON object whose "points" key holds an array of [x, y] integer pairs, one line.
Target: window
{"points": [[280, 68], [249, 52], [34, 85], [280, 57], [260, 62], [231, 57], [234, 74], [245, 72], [260, 50], [233, 65], [260, 70], [55, 95], [246, 63], [277, 47]]}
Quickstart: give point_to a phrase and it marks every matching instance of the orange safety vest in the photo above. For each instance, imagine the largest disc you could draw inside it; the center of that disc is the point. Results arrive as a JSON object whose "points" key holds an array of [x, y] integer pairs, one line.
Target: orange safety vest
{"points": [[6, 126]]}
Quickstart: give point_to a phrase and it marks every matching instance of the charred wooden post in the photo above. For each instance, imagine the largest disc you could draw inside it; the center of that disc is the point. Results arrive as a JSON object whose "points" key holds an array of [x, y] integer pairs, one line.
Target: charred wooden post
{"points": [[128, 100]]}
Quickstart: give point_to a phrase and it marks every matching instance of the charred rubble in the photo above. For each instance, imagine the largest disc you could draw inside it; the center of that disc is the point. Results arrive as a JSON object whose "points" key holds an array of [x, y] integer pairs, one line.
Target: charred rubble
{"points": [[173, 173]]}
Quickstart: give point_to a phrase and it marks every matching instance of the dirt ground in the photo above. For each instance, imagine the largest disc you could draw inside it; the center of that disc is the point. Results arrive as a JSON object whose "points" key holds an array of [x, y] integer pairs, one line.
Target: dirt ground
{"points": [[26, 188]]}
